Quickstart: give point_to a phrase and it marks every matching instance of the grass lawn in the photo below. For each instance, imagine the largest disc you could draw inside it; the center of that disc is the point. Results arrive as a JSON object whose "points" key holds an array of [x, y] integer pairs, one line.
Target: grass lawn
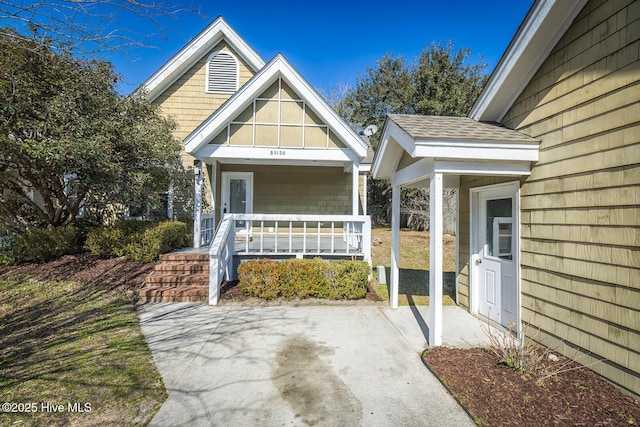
{"points": [[64, 343], [414, 265]]}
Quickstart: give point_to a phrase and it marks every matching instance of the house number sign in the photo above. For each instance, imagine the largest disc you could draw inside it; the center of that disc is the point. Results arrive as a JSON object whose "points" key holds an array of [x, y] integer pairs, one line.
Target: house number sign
{"points": [[278, 153]]}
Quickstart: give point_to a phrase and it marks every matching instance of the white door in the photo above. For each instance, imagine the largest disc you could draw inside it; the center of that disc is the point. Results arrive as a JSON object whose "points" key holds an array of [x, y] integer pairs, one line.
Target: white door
{"points": [[495, 253], [237, 196]]}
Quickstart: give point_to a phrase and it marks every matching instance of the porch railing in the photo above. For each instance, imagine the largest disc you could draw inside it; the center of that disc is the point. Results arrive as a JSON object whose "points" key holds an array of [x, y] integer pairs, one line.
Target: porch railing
{"points": [[285, 235], [221, 257], [207, 228], [303, 235]]}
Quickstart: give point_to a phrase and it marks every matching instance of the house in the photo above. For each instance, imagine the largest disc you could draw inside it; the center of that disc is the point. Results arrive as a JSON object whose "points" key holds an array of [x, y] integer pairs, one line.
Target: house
{"points": [[267, 150], [547, 168]]}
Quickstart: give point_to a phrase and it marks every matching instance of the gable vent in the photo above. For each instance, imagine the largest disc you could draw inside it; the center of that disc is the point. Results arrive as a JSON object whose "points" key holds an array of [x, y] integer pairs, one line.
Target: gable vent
{"points": [[222, 73]]}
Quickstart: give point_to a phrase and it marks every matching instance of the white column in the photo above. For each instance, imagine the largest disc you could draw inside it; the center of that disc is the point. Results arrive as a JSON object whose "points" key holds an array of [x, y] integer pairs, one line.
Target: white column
{"points": [[355, 196], [395, 247], [435, 256], [197, 203], [214, 207], [365, 183]]}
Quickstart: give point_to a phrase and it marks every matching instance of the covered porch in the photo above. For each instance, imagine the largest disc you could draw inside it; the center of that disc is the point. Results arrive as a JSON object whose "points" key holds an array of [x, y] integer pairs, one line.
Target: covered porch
{"points": [[435, 152]]}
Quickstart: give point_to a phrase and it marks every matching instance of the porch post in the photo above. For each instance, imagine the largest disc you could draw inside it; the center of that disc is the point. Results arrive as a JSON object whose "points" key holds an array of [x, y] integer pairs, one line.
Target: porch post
{"points": [[395, 246], [197, 202], [355, 195], [214, 207], [435, 256]]}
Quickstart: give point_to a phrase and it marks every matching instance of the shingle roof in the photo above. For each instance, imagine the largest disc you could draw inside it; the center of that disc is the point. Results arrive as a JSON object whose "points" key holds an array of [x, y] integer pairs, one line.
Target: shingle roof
{"points": [[370, 153], [444, 128]]}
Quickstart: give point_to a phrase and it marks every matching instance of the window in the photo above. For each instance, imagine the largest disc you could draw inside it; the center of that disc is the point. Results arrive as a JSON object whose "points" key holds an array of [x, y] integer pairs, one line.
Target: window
{"points": [[222, 73]]}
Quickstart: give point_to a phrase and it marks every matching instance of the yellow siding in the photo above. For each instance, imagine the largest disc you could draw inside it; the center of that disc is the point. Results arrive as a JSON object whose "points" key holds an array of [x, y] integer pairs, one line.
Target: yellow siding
{"points": [[189, 105], [186, 100], [298, 189], [580, 238]]}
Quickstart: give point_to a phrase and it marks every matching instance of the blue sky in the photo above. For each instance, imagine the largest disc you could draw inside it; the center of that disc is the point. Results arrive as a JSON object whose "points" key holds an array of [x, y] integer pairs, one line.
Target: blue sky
{"points": [[327, 41], [345, 36]]}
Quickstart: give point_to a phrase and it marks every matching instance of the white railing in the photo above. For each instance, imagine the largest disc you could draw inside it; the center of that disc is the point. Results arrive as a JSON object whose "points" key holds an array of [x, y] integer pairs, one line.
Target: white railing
{"points": [[221, 257], [207, 228], [303, 235], [284, 235]]}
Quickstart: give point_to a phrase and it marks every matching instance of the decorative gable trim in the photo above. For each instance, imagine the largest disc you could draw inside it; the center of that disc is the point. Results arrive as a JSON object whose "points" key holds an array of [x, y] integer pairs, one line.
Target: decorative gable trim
{"points": [[545, 23], [278, 67], [222, 73], [194, 51]]}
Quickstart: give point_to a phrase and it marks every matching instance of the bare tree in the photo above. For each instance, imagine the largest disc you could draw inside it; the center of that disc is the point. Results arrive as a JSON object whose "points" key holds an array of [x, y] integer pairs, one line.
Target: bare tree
{"points": [[415, 203], [86, 26]]}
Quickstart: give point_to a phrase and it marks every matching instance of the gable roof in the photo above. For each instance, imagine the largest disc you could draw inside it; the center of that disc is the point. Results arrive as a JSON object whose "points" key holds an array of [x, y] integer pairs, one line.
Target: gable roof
{"points": [[545, 23], [277, 67], [195, 50], [451, 139]]}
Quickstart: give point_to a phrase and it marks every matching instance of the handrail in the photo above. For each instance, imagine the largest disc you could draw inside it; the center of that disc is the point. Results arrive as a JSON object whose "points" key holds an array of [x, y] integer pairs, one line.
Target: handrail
{"points": [[221, 257]]}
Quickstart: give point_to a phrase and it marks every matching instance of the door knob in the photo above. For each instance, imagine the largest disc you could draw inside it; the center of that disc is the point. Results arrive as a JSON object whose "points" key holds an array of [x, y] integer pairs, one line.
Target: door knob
{"points": [[478, 261]]}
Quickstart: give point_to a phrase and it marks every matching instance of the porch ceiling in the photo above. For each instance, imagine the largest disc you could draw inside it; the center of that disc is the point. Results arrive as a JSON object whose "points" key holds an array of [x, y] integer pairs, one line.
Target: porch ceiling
{"points": [[452, 146]]}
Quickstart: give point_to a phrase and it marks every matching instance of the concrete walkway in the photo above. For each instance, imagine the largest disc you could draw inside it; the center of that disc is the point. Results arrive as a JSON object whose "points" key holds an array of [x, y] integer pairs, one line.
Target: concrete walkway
{"points": [[298, 366]]}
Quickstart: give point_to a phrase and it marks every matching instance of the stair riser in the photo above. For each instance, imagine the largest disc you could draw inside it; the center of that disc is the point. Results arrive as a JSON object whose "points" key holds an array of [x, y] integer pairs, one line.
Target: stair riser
{"points": [[165, 281], [181, 268], [199, 257]]}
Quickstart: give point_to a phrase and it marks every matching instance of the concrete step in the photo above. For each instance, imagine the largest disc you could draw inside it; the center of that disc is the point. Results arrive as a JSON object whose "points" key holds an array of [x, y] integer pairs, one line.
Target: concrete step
{"points": [[174, 294]]}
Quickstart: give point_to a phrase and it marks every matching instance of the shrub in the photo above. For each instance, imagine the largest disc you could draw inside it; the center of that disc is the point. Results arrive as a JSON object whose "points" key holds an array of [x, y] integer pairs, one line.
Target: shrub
{"points": [[7, 245], [43, 244], [162, 238], [295, 278], [139, 240], [112, 240], [259, 278]]}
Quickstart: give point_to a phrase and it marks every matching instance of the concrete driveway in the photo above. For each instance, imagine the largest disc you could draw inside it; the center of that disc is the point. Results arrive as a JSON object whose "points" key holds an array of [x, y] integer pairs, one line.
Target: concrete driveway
{"points": [[293, 366]]}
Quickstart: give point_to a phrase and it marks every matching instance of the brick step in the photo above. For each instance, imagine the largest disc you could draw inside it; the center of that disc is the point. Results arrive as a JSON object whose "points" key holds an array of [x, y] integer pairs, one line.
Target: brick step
{"points": [[181, 267], [178, 279], [174, 294], [185, 257]]}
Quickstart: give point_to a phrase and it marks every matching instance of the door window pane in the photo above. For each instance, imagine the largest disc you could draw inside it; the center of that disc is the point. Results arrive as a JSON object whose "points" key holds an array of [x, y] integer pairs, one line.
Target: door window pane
{"points": [[237, 195], [499, 241]]}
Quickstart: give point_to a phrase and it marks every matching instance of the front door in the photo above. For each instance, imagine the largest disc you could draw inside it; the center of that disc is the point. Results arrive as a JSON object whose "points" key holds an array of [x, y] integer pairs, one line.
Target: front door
{"points": [[237, 196], [495, 253]]}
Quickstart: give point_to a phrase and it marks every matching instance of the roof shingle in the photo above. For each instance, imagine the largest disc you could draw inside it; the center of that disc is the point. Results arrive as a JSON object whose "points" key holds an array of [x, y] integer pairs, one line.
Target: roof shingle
{"points": [[445, 128]]}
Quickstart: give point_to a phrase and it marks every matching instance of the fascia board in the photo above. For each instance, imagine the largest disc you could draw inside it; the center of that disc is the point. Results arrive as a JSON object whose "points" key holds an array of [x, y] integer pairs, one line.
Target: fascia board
{"points": [[388, 153], [477, 150], [545, 23], [193, 51]]}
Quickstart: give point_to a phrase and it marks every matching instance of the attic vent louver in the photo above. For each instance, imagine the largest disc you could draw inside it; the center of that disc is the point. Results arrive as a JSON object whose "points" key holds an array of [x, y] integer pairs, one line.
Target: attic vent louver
{"points": [[222, 73]]}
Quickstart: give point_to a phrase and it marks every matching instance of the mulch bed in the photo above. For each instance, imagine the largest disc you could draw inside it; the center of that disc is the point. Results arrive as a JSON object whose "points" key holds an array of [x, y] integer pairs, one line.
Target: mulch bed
{"points": [[112, 273], [497, 395]]}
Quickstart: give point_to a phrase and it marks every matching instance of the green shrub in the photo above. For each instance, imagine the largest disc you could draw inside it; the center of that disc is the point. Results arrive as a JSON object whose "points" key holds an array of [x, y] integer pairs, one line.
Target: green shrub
{"points": [[162, 238], [139, 240], [7, 256], [295, 278], [43, 244]]}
